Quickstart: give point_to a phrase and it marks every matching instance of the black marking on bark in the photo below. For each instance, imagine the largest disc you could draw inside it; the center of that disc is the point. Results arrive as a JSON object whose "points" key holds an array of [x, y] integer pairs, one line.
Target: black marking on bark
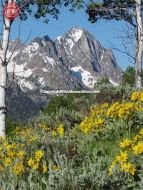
{"points": [[4, 109]]}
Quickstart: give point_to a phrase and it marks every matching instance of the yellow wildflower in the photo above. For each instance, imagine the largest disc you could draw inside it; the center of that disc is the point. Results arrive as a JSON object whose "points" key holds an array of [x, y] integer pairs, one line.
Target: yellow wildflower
{"points": [[135, 96], [91, 124], [126, 143], [7, 162], [44, 168], [138, 149], [141, 96], [141, 132], [85, 130], [35, 166], [99, 122], [2, 155], [8, 147], [53, 133], [44, 126], [113, 109], [60, 130], [31, 140], [39, 154], [5, 143], [31, 162], [14, 146], [18, 169], [122, 157], [136, 138], [21, 154], [112, 166], [129, 168], [10, 154]]}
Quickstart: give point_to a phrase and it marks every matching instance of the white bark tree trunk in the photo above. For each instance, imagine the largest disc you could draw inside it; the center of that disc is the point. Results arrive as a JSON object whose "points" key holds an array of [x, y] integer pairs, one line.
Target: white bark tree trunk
{"points": [[139, 52], [3, 75]]}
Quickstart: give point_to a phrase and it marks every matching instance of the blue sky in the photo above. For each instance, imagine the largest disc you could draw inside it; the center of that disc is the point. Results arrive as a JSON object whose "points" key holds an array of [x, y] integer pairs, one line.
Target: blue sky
{"points": [[105, 32]]}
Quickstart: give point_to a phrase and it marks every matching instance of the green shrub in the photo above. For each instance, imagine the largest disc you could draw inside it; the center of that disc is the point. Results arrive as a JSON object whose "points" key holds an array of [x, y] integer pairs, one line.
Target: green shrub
{"points": [[129, 76]]}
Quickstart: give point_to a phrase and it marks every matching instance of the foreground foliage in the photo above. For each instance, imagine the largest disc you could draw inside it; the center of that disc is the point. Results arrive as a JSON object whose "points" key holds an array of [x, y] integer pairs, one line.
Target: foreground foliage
{"points": [[104, 150]]}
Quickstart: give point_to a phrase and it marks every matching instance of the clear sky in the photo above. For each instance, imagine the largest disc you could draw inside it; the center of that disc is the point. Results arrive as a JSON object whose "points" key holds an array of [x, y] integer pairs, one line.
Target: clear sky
{"points": [[105, 32]]}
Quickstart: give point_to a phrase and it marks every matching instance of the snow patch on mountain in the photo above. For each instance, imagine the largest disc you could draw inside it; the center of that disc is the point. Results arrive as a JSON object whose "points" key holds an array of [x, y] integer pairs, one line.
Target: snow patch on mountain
{"points": [[70, 43], [102, 56], [44, 43], [26, 84], [59, 38], [76, 33], [45, 70], [48, 59], [31, 49], [41, 81], [19, 70], [11, 55], [73, 37], [85, 76], [27, 73]]}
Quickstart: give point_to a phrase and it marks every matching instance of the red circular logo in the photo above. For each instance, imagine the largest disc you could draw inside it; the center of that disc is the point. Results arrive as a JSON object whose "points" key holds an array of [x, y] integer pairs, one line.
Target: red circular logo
{"points": [[11, 11]]}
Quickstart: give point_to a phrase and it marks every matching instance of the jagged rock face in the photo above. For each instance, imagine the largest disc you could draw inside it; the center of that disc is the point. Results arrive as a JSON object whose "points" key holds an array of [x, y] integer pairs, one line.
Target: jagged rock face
{"points": [[86, 58], [75, 60], [38, 66]]}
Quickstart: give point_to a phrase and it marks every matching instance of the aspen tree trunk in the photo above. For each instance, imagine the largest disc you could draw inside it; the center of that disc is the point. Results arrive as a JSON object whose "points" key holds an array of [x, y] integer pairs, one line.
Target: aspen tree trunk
{"points": [[139, 52], [3, 75]]}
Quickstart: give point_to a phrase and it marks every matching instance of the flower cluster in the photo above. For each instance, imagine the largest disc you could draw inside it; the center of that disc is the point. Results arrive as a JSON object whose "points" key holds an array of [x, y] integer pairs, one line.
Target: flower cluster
{"points": [[35, 161], [58, 131], [43, 126], [131, 152], [95, 122], [90, 124], [15, 157], [122, 110], [122, 161], [12, 157], [24, 153], [99, 115], [45, 150], [137, 96]]}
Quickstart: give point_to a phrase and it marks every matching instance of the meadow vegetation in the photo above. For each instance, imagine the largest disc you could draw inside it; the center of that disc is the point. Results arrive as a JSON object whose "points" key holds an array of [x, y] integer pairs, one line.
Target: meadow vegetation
{"points": [[78, 142]]}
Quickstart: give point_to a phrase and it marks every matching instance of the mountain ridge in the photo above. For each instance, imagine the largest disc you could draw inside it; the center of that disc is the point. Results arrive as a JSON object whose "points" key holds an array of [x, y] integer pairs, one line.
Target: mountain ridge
{"points": [[74, 60]]}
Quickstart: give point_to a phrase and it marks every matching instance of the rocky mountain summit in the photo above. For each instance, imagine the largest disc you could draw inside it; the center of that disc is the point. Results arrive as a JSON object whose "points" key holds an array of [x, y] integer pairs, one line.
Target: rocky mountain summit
{"points": [[75, 60], [86, 58]]}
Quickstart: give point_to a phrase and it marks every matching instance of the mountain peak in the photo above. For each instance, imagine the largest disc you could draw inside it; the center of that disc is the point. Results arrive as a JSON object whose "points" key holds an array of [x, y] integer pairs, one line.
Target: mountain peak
{"points": [[76, 29], [47, 38], [75, 33], [83, 59], [74, 60], [39, 39]]}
